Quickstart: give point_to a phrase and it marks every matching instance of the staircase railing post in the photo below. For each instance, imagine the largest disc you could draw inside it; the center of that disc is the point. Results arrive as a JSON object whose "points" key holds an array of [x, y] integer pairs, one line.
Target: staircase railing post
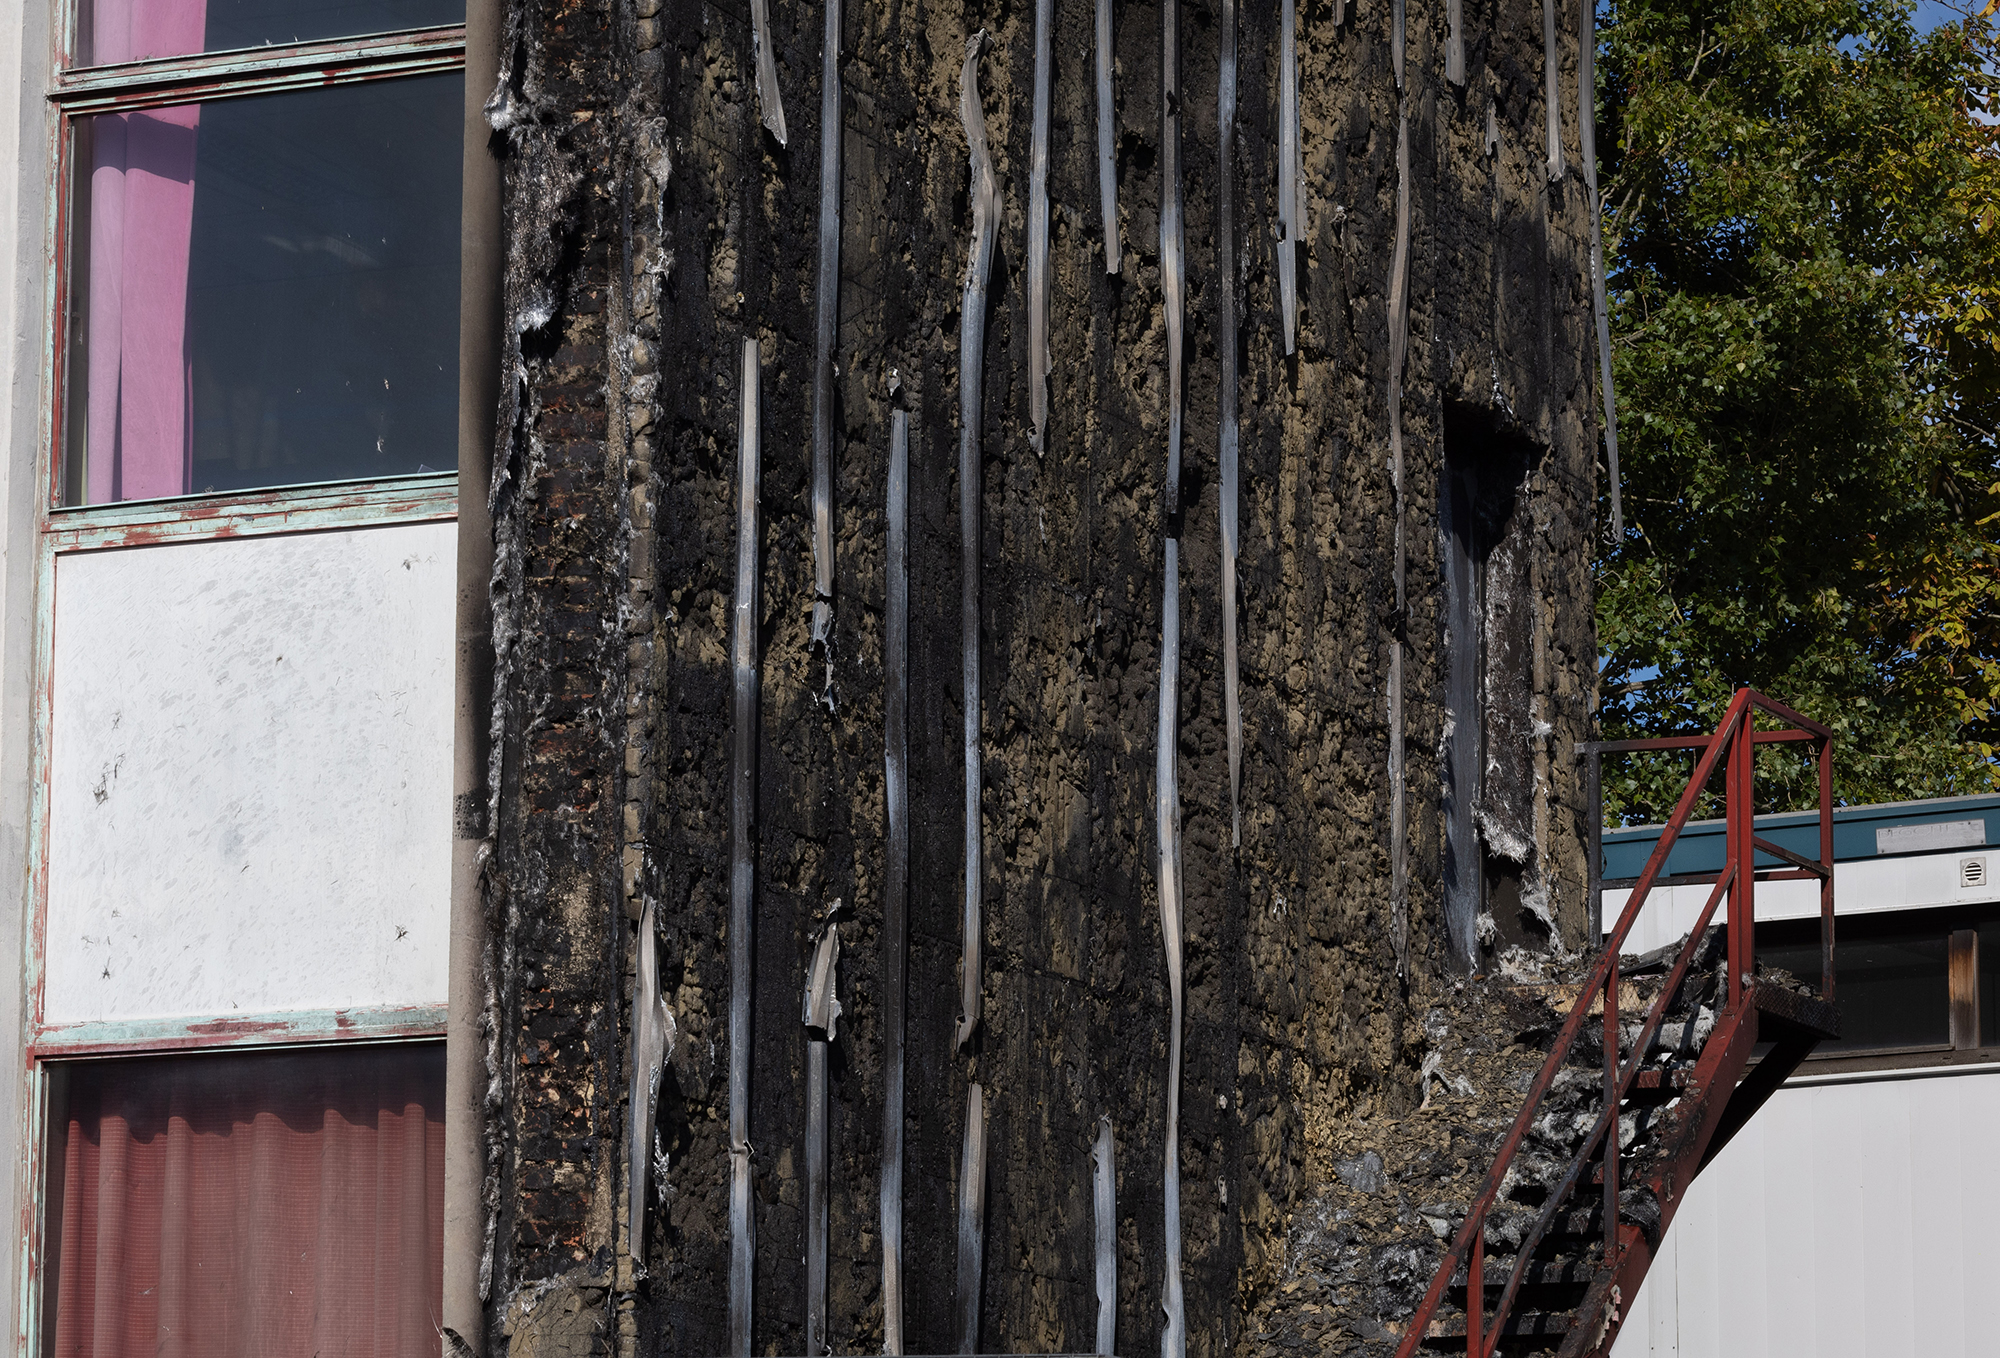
{"points": [[1475, 1297], [1826, 861], [1742, 852], [1611, 1103]]}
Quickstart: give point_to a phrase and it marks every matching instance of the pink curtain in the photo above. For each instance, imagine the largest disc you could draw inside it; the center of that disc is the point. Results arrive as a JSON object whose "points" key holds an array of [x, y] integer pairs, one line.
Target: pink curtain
{"points": [[140, 436], [247, 1207]]}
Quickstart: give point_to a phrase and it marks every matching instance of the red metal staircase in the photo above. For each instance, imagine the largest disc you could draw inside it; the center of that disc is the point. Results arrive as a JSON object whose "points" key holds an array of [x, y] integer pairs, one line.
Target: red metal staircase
{"points": [[1520, 1280]]}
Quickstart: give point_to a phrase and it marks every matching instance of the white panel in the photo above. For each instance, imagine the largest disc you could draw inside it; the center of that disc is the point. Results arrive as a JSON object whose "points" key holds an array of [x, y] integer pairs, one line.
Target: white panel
{"points": [[1846, 1221], [250, 789]]}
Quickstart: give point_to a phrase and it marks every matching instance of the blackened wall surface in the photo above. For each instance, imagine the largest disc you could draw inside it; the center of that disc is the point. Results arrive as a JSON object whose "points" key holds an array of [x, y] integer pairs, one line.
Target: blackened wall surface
{"points": [[653, 225]]}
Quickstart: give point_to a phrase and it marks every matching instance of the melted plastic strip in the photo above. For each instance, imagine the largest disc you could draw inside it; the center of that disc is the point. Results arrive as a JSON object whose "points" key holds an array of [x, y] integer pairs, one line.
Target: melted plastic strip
{"points": [[1227, 403], [896, 874], [1552, 88], [1399, 347], [742, 873], [1107, 156], [1454, 47], [1104, 1196], [1288, 173], [769, 103], [971, 371], [1038, 234], [1173, 246], [826, 318], [1586, 128], [971, 1218], [1167, 819], [652, 1043], [821, 1013]]}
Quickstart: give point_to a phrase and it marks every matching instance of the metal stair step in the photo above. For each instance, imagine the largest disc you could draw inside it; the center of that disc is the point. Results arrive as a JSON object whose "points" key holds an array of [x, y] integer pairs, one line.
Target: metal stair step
{"points": [[1521, 1325], [1563, 1272]]}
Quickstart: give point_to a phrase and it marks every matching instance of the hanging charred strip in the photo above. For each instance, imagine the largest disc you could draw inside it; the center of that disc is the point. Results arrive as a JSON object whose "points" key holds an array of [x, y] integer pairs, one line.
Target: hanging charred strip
{"points": [[971, 371], [742, 873], [827, 317], [821, 1013], [1107, 158], [770, 105], [1399, 346], [971, 1219], [1586, 132], [1225, 264], [1038, 233], [1288, 173], [1552, 88], [1173, 245], [652, 1043], [1104, 1197], [1167, 818], [1454, 46], [896, 874]]}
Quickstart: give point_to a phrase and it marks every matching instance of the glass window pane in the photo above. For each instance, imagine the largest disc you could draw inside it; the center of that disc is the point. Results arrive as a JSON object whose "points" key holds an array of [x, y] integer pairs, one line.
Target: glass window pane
{"points": [[247, 1203], [111, 31], [265, 291], [1892, 988]]}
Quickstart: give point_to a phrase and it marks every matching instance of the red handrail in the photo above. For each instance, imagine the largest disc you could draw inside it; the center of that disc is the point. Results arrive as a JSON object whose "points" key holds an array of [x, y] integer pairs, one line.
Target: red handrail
{"points": [[1735, 740]]}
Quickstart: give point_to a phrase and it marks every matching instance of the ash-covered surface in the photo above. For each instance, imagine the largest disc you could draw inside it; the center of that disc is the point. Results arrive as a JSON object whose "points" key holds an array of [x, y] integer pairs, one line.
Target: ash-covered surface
{"points": [[653, 224]]}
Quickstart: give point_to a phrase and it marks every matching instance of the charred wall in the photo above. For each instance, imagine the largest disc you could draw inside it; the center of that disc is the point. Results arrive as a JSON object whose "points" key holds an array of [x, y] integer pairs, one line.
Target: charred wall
{"points": [[652, 225]]}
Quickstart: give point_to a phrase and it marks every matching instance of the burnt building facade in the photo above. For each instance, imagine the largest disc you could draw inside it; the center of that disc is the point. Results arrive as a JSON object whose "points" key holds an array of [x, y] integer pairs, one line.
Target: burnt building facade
{"points": [[1414, 499]]}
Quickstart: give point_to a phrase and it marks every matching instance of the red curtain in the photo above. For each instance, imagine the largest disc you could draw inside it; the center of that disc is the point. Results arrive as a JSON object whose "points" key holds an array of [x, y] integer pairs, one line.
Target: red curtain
{"points": [[251, 1206]]}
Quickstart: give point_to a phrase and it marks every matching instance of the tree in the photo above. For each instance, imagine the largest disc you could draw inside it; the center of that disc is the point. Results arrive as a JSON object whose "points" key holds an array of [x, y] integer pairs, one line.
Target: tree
{"points": [[1802, 222]]}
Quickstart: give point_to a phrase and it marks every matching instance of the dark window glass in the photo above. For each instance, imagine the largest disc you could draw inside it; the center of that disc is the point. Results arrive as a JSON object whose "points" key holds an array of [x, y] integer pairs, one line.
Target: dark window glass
{"points": [[264, 291], [112, 31], [1892, 987]]}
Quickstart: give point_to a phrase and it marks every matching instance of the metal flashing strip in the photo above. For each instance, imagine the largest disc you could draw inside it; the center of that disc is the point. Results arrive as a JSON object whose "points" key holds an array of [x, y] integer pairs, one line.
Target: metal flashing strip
{"points": [[294, 509], [1104, 1201], [1552, 89], [895, 873], [295, 1027], [826, 319], [1399, 344], [1167, 817], [770, 104], [971, 1219], [820, 1014], [220, 75], [1227, 404], [971, 375], [1039, 361], [1173, 243], [1107, 157], [1288, 172], [653, 1033], [742, 873], [1893, 1073], [1586, 132]]}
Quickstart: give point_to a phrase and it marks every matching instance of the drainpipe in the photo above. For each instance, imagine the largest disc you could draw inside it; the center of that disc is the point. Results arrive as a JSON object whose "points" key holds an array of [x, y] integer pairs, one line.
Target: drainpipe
{"points": [[478, 393]]}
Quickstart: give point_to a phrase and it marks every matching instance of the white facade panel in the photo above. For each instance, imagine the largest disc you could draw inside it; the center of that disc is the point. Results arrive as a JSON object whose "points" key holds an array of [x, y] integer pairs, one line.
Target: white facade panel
{"points": [[250, 775], [1862, 887], [1847, 1220]]}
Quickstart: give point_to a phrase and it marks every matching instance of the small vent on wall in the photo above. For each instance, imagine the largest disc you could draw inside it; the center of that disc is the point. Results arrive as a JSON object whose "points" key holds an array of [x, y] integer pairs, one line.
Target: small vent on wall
{"points": [[1972, 872]]}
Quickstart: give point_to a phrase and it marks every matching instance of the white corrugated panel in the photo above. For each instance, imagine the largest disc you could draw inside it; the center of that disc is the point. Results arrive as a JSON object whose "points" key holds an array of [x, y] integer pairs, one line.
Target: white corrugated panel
{"points": [[1849, 1220]]}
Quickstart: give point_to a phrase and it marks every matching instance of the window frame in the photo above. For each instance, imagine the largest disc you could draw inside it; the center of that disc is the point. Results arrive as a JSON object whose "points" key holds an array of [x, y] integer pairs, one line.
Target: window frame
{"points": [[77, 91]]}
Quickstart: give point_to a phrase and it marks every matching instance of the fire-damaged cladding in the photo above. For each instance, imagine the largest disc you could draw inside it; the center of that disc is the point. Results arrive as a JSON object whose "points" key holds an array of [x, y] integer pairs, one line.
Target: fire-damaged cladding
{"points": [[1142, 879]]}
